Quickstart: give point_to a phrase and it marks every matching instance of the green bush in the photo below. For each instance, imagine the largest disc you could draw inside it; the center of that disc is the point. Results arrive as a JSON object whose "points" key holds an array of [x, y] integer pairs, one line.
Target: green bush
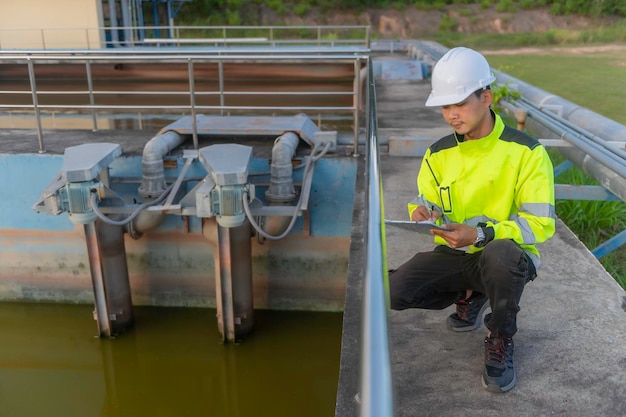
{"points": [[448, 23], [301, 9], [505, 6]]}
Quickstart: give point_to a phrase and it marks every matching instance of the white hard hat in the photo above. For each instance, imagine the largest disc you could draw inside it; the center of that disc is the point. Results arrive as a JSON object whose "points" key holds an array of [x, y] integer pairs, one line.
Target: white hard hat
{"points": [[458, 73]]}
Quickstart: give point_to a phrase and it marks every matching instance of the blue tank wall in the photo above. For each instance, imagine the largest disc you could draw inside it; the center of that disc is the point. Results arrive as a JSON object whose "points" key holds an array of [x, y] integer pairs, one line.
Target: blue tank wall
{"points": [[44, 257]]}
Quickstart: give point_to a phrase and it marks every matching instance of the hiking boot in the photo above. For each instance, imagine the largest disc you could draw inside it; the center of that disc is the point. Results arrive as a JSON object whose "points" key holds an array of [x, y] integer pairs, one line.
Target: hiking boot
{"points": [[469, 313], [499, 373]]}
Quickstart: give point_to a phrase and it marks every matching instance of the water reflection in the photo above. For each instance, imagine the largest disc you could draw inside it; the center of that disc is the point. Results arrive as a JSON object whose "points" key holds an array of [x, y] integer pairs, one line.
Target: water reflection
{"points": [[171, 364]]}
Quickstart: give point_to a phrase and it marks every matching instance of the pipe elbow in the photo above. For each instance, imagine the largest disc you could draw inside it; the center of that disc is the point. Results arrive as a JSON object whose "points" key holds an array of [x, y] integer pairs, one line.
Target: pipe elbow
{"points": [[281, 187], [153, 175]]}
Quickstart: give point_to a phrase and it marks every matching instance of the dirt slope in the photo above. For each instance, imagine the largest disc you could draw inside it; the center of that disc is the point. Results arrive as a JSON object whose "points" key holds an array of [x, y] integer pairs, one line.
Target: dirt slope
{"points": [[412, 23]]}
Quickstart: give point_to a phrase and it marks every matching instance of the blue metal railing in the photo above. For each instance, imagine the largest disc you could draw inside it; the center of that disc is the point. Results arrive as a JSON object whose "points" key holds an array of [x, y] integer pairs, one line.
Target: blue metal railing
{"points": [[376, 382]]}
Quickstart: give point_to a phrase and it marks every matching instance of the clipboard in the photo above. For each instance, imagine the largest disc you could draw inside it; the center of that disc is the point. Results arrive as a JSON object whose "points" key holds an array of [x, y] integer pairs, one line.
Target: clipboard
{"points": [[419, 227]]}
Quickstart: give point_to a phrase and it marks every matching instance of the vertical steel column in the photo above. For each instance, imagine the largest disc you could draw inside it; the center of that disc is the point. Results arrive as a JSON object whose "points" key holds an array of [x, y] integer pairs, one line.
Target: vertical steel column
{"points": [[233, 281], [97, 279], [109, 276]]}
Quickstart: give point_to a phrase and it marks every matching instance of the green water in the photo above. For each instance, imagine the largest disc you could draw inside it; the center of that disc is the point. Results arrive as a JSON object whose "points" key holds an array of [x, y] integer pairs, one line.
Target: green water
{"points": [[170, 364]]}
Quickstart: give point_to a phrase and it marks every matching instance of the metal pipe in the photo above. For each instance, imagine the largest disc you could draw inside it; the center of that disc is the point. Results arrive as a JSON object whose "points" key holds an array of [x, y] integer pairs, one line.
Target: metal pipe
{"points": [[598, 153], [281, 189], [153, 176], [577, 133], [600, 126], [587, 131], [605, 176]]}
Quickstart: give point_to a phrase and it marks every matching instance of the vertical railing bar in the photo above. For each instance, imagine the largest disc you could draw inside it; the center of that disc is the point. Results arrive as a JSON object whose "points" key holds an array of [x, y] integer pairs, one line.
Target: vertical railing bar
{"points": [[192, 97], [92, 101], [357, 103], [220, 72], [33, 88]]}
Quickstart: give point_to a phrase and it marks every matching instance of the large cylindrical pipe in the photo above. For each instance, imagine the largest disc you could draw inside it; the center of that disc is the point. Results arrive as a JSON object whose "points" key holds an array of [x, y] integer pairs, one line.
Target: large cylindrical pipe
{"points": [[604, 175], [600, 126]]}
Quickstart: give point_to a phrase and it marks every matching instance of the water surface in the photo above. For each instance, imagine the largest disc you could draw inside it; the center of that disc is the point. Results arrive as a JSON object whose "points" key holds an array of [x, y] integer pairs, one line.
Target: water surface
{"points": [[170, 364]]}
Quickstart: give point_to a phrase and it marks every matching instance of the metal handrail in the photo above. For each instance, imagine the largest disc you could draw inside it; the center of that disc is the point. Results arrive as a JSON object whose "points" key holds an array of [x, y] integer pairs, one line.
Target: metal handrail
{"points": [[376, 382], [190, 60], [94, 37]]}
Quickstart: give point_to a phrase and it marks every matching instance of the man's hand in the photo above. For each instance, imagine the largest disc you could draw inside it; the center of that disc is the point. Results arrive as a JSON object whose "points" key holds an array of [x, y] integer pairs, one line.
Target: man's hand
{"points": [[422, 213], [457, 235]]}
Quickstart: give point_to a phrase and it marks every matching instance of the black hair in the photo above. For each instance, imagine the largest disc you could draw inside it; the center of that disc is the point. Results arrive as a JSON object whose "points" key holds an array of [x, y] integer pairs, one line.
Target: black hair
{"points": [[478, 92]]}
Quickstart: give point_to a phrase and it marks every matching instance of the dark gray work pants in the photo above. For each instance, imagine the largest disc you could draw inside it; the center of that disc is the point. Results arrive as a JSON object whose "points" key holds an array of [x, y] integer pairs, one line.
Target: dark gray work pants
{"points": [[432, 280]]}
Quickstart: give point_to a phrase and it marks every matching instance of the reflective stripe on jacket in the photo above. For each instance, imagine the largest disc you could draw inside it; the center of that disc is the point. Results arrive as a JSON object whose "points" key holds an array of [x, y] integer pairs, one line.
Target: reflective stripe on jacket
{"points": [[504, 180]]}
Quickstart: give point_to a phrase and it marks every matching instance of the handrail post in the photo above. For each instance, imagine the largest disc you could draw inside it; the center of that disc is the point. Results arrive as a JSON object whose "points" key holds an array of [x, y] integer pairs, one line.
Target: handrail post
{"points": [[220, 73], [192, 97], [33, 89], [43, 40], [92, 101], [356, 104]]}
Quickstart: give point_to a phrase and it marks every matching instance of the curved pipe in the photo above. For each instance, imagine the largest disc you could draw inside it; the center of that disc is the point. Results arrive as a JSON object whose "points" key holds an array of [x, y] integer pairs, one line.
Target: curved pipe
{"points": [[281, 189], [153, 183], [153, 176]]}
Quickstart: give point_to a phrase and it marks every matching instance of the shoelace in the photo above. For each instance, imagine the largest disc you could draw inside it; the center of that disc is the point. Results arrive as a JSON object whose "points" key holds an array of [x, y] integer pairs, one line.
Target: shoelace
{"points": [[495, 351], [462, 309]]}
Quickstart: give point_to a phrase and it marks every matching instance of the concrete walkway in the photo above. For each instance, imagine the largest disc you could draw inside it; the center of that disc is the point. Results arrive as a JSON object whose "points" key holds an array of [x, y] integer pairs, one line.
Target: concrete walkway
{"points": [[570, 349]]}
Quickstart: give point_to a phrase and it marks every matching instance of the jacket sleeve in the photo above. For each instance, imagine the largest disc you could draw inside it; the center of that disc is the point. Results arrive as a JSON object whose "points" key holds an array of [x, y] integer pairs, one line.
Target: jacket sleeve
{"points": [[535, 219]]}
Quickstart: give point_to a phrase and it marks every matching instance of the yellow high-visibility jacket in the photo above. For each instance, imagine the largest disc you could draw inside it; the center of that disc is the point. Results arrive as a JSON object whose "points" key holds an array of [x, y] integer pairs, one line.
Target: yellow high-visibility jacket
{"points": [[503, 182]]}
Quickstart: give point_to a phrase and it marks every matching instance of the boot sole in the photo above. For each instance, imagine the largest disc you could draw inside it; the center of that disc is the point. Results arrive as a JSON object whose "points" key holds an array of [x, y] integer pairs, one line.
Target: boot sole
{"points": [[496, 388]]}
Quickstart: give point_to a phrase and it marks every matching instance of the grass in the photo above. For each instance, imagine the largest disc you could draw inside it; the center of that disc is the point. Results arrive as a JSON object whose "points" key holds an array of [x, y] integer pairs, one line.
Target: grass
{"points": [[594, 80]]}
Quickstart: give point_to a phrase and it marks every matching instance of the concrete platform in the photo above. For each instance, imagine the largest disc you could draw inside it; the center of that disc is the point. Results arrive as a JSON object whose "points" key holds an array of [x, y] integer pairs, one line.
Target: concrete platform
{"points": [[570, 349]]}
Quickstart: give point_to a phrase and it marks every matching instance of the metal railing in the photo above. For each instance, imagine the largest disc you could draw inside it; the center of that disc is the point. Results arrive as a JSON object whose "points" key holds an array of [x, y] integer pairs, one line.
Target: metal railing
{"points": [[376, 382], [150, 36], [188, 61]]}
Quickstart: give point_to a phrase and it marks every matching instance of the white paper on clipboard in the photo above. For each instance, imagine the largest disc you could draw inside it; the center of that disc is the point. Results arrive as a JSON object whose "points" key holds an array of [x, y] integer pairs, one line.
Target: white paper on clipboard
{"points": [[419, 227]]}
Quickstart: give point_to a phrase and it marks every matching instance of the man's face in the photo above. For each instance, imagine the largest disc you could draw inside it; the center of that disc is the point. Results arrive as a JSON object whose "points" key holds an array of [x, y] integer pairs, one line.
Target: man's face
{"points": [[468, 117]]}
